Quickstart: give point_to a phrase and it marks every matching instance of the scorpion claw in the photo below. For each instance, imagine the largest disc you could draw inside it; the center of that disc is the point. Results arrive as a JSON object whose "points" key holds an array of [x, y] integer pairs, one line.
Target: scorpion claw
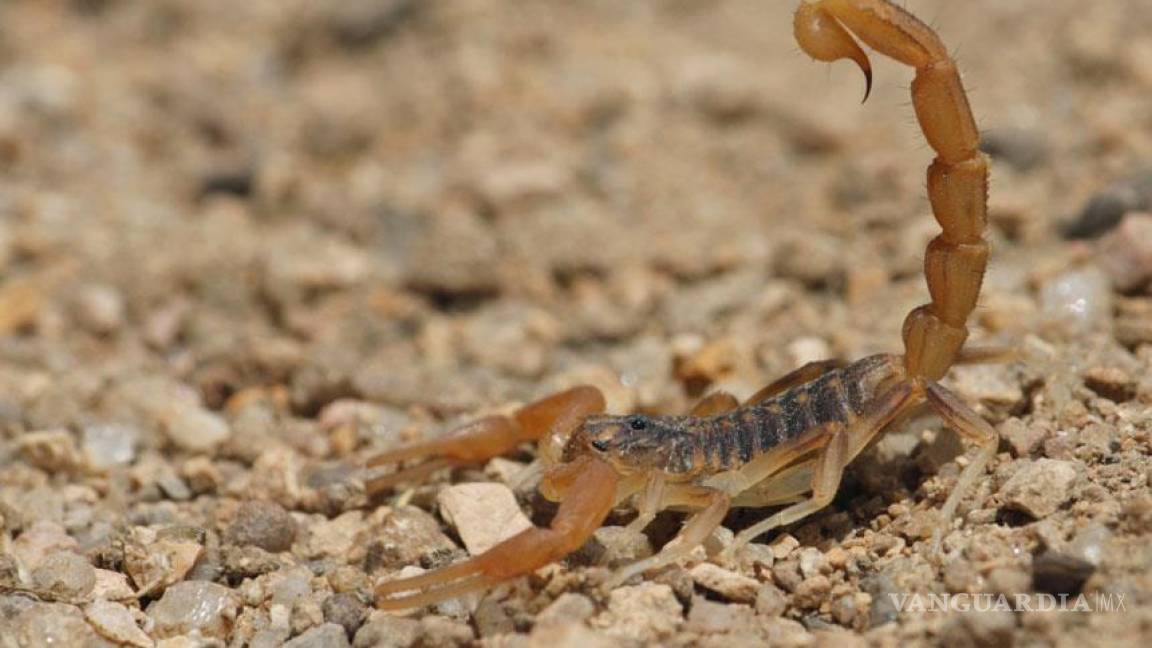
{"points": [[588, 487]]}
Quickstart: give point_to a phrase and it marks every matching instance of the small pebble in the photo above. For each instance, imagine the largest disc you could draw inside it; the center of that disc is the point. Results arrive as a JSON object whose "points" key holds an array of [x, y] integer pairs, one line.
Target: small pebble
{"points": [[336, 537], [52, 624], [195, 606], [154, 561], [1022, 149], [64, 576], [1125, 253], [1112, 383], [570, 634], [712, 618], [1008, 580], [100, 309], [191, 427], [645, 612], [111, 586], [568, 607], [386, 631], [49, 450], [810, 593], [851, 610], [329, 635], [729, 584], [345, 610], [1088, 545], [992, 628], [442, 631], [783, 546], [613, 546], [1060, 573], [770, 601], [115, 622], [109, 444], [483, 513], [1023, 437], [812, 562], [1105, 209], [1077, 301], [1040, 487], [262, 524]]}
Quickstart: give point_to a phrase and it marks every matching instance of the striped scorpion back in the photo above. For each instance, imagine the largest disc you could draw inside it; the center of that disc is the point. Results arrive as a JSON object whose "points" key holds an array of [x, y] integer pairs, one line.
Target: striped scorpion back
{"points": [[728, 440]]}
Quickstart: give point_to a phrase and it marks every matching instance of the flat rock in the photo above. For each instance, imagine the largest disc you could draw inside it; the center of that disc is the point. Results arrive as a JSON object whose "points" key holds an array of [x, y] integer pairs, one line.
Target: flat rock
{"points": [[1040, 487], [483, 513], [729, 584]]}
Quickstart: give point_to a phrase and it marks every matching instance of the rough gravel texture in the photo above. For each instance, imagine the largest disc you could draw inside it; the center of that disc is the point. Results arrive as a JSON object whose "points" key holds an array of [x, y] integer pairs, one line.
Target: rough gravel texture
{"points": [[244, 245]]}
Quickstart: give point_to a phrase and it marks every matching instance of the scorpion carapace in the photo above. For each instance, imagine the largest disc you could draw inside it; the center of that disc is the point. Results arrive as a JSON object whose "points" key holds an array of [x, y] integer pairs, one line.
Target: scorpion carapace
{"points": [[788, 444]]}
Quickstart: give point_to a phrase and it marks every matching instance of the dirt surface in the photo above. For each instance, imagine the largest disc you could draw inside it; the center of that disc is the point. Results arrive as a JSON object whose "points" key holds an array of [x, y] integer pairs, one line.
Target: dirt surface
{"points": [[245, 244]]}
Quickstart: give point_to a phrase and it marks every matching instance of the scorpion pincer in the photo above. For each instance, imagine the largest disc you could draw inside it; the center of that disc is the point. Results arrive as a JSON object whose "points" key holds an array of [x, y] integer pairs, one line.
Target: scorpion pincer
{"points": [[789, 443]]}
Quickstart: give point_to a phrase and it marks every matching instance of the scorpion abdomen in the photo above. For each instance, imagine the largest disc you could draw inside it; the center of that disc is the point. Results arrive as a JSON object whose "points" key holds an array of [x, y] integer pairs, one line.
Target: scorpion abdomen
{"points": [[836, 399]]}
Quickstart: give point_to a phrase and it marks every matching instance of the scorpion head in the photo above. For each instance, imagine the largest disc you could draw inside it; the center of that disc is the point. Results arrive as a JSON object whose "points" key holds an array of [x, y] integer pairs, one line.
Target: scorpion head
{"points": [[629, 443]]}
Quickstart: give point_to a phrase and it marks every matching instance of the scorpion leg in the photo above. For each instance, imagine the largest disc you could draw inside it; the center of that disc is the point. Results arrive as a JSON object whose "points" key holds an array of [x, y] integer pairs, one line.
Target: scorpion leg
{"points": [[806, 373], [969, 425], [489, 437], [826, 472], [713, 505], [715, 403], [957, 179], [837, 445], [587, 488], [651, 500]]}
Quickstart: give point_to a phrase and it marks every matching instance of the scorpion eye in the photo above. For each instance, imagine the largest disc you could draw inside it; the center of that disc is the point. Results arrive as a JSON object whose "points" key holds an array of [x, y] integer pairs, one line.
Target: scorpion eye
{"points": [[638, 423]]}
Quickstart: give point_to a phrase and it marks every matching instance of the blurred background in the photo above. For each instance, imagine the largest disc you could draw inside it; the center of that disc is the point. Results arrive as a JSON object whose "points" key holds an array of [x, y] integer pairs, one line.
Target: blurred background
{"points": [[342, 196], [229, 229]]}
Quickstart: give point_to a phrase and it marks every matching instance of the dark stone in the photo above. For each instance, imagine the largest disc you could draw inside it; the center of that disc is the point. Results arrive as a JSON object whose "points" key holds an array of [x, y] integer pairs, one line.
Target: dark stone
{"points": [[262, 524], [1059, 573]]}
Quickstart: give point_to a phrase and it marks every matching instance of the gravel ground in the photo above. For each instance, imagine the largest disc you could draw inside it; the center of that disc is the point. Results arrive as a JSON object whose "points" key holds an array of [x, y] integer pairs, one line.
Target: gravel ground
{"points": [[244, 245]]}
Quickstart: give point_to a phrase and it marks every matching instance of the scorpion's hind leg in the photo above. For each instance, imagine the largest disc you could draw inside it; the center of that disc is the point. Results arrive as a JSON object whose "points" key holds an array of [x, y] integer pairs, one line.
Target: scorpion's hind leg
{"points": [[969, 425], [837, 447], [587, 488], [715, 403], [488, 437]]}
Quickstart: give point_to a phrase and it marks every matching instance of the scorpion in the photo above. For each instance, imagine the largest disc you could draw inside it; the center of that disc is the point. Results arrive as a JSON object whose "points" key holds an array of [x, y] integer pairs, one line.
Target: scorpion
{"points": [[789, 443]]}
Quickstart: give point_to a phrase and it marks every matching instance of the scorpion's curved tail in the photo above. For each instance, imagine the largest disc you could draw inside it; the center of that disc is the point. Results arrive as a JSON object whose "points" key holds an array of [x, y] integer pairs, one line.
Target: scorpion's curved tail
{"points": [[957, 179]]}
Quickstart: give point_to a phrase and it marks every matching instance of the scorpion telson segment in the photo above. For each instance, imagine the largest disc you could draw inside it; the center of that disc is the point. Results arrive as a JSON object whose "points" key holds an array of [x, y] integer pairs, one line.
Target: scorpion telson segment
{"points": [[788, 444]]}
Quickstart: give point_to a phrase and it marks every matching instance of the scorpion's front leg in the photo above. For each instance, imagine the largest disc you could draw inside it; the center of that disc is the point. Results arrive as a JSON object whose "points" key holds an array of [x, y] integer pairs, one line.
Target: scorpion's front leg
{"points": [[713, 505], [549, 418], [587, 489]]}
